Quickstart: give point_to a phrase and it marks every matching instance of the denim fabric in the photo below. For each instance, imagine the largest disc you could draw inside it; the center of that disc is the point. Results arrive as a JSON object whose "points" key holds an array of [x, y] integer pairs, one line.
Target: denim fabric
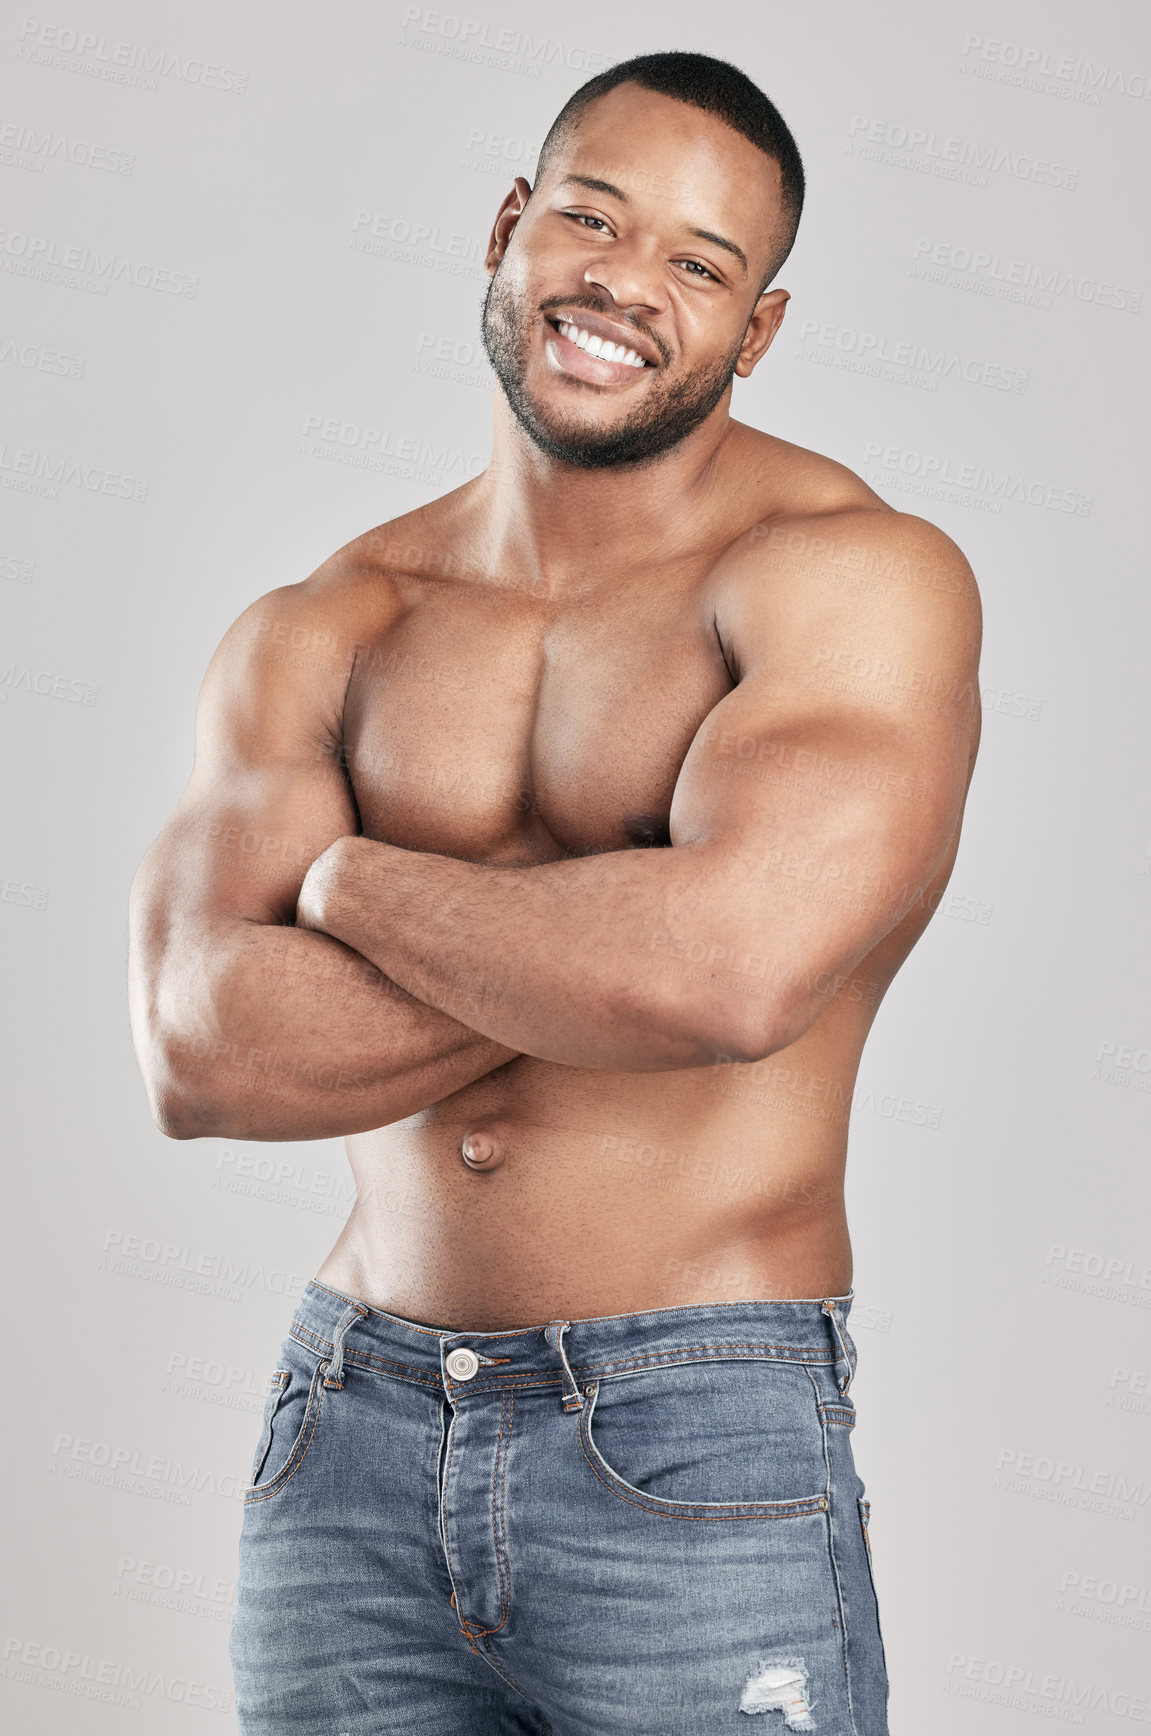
{"points": [[647, 1524]]}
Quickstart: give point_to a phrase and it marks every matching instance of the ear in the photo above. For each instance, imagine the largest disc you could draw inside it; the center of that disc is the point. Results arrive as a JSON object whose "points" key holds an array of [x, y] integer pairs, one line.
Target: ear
{"points": [[503, 228], [766, 319]]}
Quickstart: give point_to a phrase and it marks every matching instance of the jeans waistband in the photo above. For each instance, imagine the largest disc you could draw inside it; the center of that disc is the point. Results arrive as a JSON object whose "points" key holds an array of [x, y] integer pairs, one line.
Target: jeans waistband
{"points": [[343, 1330]]}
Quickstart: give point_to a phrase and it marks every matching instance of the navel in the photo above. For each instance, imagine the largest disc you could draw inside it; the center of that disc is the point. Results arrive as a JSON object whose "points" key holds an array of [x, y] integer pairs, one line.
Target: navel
{"points": [[482, 1150]]}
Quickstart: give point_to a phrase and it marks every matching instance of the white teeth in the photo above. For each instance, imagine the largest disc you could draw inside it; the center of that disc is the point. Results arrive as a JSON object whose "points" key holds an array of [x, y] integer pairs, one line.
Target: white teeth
{"points": [[601, 347]]}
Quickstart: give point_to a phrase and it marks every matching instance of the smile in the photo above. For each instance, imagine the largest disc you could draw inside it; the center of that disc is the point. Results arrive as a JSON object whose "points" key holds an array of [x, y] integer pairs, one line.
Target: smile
{"points": [[593, 345], [596, 351]]}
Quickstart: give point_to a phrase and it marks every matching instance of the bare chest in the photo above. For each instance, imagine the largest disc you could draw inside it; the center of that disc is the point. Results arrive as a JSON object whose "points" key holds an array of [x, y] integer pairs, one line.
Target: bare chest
{"points": [[499, 730]]}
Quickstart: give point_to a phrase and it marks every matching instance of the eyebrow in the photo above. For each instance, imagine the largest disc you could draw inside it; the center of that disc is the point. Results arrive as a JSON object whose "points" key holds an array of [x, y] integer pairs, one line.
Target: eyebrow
{"points": [[595, 186]]}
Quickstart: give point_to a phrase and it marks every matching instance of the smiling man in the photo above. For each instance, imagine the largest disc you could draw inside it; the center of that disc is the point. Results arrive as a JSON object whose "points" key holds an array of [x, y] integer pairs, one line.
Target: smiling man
{"points": [[556, 843]]}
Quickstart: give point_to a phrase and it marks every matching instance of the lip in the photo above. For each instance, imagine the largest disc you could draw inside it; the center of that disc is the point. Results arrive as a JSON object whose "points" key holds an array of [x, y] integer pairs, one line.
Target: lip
{"points": [[577, 362]]}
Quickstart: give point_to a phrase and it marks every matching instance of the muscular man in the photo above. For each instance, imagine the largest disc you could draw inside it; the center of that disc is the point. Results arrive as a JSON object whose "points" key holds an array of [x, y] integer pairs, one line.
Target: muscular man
{"points": [[556, 843]]}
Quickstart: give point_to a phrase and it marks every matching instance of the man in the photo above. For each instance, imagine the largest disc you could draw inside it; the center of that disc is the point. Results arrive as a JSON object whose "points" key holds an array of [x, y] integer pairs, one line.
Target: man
{"points": [[556, 843]]}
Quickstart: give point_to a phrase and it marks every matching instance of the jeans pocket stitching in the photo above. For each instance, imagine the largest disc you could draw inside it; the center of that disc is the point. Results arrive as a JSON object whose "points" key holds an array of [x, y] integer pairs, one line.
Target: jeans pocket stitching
{"points": [[299, 1449], [696, 1510], [277, 1386]]}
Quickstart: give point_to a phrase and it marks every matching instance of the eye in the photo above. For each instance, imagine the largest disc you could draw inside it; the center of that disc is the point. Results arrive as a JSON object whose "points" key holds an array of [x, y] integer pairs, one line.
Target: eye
{"points": [[694, 265], [584, 217]]}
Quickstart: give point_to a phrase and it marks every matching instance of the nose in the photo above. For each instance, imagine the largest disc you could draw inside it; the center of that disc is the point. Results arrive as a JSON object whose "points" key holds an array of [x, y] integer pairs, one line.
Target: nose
{"points": [[630, 272]]}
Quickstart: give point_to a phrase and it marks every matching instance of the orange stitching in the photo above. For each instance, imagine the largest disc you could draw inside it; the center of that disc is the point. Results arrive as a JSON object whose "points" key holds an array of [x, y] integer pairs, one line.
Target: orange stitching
{"points": [[501, 1540], [489, 1657], [790, 1355], [499, 1462], [271, 1489], [800, 1509], [778, 1352], [362, 1357], [444, 1496]]}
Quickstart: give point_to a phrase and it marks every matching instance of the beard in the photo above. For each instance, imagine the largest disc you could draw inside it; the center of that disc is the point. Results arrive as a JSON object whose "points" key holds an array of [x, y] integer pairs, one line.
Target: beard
{"points": [[665, 417]]}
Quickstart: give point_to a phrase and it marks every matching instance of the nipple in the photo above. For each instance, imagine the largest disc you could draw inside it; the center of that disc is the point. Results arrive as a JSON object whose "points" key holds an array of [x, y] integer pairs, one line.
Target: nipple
{"points": [[481, 1151]]}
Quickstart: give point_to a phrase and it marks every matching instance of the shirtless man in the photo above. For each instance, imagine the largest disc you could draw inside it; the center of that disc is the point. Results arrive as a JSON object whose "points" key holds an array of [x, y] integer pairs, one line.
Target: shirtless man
{"points": [[556, 843]]}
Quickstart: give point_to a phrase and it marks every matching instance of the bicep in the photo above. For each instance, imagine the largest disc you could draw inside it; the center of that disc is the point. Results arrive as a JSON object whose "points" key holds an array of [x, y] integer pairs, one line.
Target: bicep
{"points": [[268, 792], [830, 782], [829, 814]]}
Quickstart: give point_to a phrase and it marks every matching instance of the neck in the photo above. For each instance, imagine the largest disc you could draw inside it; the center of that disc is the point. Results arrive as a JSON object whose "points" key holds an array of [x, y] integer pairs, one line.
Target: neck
{"points": [[557, 524]]}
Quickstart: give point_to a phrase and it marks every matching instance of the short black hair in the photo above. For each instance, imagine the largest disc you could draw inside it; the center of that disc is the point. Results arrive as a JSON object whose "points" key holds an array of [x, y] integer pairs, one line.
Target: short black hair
{"points": [[717, 87]]}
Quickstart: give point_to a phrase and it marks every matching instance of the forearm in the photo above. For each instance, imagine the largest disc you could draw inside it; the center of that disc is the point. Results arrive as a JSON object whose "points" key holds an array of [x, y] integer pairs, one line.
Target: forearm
{"points": [[275, 1033], [568, 961]]}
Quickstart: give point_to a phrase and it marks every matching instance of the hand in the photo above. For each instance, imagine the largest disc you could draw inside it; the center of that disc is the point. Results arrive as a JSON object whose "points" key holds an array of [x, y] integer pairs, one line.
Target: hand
{"points": [[319, 895]]}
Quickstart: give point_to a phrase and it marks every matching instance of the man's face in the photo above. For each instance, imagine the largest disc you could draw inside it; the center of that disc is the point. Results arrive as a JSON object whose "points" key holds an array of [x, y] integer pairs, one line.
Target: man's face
{"points": [[638, 261]]}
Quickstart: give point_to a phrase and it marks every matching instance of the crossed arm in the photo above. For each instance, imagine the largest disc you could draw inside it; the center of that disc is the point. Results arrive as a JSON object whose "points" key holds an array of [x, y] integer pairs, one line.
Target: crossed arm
{"points": [[246, 1026], [292, 980], [815, 805]]}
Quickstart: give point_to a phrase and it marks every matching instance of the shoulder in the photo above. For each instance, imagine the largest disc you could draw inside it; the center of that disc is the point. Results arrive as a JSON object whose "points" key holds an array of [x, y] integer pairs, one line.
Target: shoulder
{"points": [[285, 662], [830, 560], [815, 510], [315, 626], [860, 614]]}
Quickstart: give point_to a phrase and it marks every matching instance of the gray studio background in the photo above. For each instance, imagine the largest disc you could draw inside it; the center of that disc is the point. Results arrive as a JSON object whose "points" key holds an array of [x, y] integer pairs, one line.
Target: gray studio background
{"points": [[276, 347]]}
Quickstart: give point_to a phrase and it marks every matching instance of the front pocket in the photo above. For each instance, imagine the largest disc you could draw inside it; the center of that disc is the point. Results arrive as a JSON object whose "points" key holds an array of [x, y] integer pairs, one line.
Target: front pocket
{"points": [[709, 1439], [291, 1417], [277, 1386]]}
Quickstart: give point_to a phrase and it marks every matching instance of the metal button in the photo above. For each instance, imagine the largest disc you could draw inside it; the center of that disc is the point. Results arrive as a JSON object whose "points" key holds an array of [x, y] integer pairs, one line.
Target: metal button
{"points": [[462, 1364]]}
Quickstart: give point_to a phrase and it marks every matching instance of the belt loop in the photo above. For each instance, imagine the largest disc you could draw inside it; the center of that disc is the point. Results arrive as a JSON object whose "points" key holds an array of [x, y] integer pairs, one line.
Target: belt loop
{"points": [[848, 1358], [334, 1373], [573, 1399]]}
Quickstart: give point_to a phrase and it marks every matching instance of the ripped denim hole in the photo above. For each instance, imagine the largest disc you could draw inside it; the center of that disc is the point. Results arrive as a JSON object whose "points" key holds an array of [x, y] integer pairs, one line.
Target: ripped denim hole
{"points": [[780, 1685]]}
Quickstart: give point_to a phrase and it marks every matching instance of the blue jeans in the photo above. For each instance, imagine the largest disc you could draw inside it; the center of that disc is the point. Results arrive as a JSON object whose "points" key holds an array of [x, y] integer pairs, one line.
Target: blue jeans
{"points": [[646, 1524]]}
